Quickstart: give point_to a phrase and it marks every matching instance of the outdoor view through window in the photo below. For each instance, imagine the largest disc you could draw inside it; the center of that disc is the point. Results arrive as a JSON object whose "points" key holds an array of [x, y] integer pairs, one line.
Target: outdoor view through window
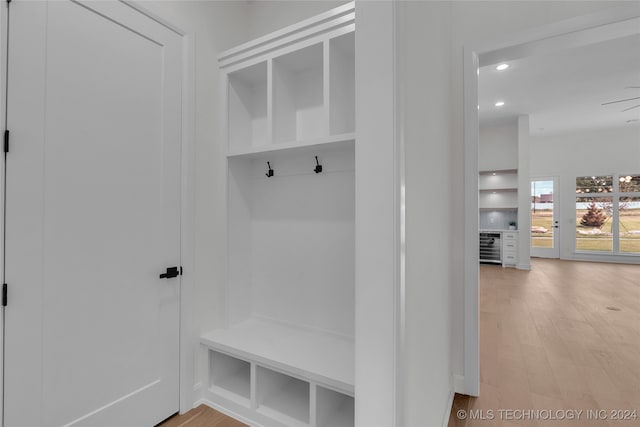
{"points": [[542, 227], [608, 214]]}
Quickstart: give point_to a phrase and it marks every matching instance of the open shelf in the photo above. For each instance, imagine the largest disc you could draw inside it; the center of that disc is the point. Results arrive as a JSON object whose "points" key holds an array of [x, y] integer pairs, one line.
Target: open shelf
{"points": [[282, 397], [298, 95], [342, 84], [310, 144], [498, 199], [230, 376], [503, 182], [334, 409], [324, 358], [247, 107], [499, 172], [498, 190]]}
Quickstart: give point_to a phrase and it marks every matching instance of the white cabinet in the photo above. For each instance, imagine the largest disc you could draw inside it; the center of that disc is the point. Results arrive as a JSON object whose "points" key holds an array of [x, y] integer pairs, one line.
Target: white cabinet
{"points": [[283, 353], [509, 248]]}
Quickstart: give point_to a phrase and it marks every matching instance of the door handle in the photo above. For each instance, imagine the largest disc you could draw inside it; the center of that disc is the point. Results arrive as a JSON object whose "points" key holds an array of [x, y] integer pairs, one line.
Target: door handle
{"points": [[171, 273]]}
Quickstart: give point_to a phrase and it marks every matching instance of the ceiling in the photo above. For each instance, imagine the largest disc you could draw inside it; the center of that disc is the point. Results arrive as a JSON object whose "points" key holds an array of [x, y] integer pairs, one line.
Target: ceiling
{"points": [[563, 91]]}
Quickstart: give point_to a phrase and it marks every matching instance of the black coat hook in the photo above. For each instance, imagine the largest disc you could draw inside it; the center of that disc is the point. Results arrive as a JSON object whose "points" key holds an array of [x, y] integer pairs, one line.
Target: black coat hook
{"points": [[269, 173], [318, 167]]}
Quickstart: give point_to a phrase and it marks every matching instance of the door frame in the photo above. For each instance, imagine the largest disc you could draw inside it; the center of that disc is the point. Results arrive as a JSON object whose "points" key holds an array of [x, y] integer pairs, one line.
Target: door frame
{"points": [[556, 216], [3, 124], [556, 36], [187, 332]]}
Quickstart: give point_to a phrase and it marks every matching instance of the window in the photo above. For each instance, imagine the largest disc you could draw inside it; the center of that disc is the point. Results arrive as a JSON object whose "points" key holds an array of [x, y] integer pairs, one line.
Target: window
{"points": [[608, 214]]}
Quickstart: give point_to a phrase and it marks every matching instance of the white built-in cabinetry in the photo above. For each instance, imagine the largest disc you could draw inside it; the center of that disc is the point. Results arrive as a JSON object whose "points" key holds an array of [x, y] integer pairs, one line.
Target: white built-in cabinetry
{"points": [[283, 354], [498, 189], [509, 248]]}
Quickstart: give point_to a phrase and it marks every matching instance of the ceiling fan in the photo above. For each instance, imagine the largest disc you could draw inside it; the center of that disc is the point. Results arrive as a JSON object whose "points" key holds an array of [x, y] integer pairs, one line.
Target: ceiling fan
{"points": [[626, 100]]}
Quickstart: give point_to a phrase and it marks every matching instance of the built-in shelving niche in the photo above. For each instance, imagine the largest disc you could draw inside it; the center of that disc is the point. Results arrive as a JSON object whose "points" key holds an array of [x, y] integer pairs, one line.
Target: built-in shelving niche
{"points": [[283, 397], [279, 396], [298, 95], [334, 409], [291, 238], [342, 84], [248, 121], [282, 352], [230, 377], [498, 189]]}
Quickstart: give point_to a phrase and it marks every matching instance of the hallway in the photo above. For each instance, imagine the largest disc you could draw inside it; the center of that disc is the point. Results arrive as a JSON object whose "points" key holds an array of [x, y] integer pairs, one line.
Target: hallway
{"points": [[563, 337]]}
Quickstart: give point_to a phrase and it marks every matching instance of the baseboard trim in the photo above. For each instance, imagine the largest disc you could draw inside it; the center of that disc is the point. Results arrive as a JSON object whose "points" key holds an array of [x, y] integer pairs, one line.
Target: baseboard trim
{"points": [[523, 266], [227, 412], [447, 414]]}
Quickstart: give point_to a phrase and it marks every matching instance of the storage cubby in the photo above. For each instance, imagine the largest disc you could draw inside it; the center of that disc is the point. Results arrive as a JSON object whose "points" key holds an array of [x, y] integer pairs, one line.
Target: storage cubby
{"points": [[248, 121], [230, 375], [298, 95], [282, 396], [342, 84], [334, 409]]}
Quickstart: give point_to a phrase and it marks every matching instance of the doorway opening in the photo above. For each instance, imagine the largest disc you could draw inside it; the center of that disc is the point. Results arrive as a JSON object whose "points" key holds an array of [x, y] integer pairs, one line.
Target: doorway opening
{"points": [[562, 36], [545, 236]]}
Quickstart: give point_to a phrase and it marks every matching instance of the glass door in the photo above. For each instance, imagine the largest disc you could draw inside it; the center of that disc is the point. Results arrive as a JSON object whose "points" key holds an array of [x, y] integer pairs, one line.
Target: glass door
{"points": [[544, 222]]}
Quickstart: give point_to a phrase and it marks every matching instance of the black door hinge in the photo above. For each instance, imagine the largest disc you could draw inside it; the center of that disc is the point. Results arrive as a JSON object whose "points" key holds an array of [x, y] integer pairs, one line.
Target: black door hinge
{"points": [[4, 295], [171, 273], [6, 141]]}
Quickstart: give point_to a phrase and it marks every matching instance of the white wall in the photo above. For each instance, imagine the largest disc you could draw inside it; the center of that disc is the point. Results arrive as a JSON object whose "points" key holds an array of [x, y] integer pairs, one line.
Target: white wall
{"points": [[474, 21], [376, 212], [568, 156], [425, 74], [498, 147]]}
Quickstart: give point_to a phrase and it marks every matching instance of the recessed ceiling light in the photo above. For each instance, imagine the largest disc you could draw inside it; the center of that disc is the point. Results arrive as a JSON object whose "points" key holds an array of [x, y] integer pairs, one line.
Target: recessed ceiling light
{"points": [[502, 67], [499, 103]]}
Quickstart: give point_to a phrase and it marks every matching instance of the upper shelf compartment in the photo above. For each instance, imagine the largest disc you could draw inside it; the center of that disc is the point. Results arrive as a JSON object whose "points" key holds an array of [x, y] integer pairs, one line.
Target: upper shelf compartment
{"points": [[298, 95], [342, 79], [293, 88], [248, 124]]}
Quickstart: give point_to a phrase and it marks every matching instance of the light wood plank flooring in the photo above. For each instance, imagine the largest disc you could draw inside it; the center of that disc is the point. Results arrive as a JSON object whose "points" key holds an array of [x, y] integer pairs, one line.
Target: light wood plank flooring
{"points": [[202, 416], [563, 336]]}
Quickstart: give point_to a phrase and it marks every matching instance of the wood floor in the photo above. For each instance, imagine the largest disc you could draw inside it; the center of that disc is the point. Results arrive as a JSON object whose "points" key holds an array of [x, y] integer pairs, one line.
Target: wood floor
{"points": [[563, 337], [202, 416]]}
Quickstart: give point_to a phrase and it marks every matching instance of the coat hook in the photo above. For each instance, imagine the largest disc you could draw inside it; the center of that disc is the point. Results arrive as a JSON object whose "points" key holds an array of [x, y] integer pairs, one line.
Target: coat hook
{"points": [[269, 173], [318, 167]]}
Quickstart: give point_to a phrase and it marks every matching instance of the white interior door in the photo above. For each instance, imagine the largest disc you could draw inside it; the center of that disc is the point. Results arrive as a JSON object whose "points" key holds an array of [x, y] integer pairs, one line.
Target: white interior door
{"points": [[545, 236], [92, 214]]}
